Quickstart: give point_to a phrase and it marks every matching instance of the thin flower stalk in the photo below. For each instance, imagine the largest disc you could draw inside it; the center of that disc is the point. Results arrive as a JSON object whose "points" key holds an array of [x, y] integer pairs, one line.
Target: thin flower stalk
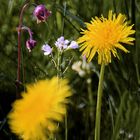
{"points": [[99, 103], [19, 47], [90, 98]]}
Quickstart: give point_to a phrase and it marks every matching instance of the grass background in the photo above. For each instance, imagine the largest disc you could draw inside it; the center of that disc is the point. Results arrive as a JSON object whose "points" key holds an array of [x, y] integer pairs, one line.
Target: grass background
{"points": [[121, 99]]}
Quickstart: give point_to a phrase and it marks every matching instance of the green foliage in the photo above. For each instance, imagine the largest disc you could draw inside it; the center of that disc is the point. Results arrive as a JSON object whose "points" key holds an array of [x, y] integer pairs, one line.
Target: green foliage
{"points": [[121, 97], [127, 122]]}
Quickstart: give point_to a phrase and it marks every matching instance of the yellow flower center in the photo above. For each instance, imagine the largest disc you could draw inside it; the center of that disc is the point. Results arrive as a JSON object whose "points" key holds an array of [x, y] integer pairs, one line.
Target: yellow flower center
{"points": [[104, 36]]}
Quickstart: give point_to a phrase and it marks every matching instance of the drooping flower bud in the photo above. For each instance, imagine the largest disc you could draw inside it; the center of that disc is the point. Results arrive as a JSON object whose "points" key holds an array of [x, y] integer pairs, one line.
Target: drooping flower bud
{"points": [[41, 13], [30, 44]]}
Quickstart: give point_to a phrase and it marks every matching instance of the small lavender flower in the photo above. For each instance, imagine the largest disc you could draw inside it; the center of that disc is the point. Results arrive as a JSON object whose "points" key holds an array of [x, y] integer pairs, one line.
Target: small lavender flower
{"points": [[73, 45], [30, 44], [61, 43], [41, 13], [47, 49]]}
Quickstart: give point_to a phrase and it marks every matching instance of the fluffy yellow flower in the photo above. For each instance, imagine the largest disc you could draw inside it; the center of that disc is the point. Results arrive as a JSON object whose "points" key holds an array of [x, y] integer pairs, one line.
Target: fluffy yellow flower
{"points": [[104, 36], [35, 115]]}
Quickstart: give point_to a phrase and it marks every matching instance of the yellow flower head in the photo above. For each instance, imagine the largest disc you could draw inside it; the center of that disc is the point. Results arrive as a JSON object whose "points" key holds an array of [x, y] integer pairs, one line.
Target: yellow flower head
{"points": [[104, 36], [35, 115]]}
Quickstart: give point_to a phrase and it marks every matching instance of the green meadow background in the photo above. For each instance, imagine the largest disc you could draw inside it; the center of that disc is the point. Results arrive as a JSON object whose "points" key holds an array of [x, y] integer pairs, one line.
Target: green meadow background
{"points": [[121, 96]]}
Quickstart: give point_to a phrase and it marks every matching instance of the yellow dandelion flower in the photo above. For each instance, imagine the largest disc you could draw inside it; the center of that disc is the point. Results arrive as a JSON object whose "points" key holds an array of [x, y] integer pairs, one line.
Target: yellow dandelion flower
{"points": [[43, 105], [104, 36]]}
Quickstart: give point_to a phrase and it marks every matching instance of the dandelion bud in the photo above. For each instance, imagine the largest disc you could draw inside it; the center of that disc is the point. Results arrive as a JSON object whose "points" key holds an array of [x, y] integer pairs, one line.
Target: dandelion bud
{"points": [[41, 13], [30, 44]]}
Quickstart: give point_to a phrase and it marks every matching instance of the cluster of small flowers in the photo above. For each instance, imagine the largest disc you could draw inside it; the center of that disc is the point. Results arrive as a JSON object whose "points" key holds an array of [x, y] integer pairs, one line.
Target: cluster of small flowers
{"points": [[61, 45], [41, 14]]}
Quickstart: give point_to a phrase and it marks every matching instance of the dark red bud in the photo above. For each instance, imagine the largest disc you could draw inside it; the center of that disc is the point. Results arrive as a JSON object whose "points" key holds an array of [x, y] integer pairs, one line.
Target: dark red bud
{"points": [[30, 44], [41, 13]]}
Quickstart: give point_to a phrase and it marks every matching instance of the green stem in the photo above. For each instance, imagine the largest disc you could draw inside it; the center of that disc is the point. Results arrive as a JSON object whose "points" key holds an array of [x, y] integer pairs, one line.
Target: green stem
{"points": [[59, 18], [59, 64], [66, 128], [60, 75], [115, 82], [90, 97], [60, 71], [118, 117], [99, 102], [137, 73], [23, 69]]}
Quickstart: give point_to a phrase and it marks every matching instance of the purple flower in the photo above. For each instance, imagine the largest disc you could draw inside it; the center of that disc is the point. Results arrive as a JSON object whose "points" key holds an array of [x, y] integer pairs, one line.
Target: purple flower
{"points": [[41, 13], [73, 45], [47, 49], [61, 43], [30, 44]]}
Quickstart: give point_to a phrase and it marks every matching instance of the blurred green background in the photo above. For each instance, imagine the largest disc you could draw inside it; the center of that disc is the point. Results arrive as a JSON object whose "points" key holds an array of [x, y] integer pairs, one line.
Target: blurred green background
{"points": [[121, 99]]}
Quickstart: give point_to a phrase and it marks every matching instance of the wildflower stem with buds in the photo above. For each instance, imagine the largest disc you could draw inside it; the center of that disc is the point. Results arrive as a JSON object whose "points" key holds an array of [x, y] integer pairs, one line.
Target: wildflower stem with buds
{"points": [[19, 39], [19, 46]]}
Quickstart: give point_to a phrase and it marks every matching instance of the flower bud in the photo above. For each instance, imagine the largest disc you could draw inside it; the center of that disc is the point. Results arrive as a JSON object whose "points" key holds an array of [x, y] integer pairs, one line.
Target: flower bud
{"points": [[41, 13], [30, 44]]}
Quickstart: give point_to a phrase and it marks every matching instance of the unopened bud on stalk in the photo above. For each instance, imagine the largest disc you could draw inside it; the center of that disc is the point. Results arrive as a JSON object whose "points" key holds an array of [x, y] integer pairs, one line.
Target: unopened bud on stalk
{"points": [[41, 13], [30, 44]]}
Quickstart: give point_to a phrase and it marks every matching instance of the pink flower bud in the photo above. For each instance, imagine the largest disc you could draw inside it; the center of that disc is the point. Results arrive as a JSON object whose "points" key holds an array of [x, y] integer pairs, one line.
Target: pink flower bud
{"points": [[41, 13], [30, 44]]}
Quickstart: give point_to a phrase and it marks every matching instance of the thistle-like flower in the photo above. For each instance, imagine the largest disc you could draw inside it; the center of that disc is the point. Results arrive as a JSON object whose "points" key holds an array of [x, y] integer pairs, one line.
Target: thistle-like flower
{"points": [[34, 116], [41, 13], [104, 36]]}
